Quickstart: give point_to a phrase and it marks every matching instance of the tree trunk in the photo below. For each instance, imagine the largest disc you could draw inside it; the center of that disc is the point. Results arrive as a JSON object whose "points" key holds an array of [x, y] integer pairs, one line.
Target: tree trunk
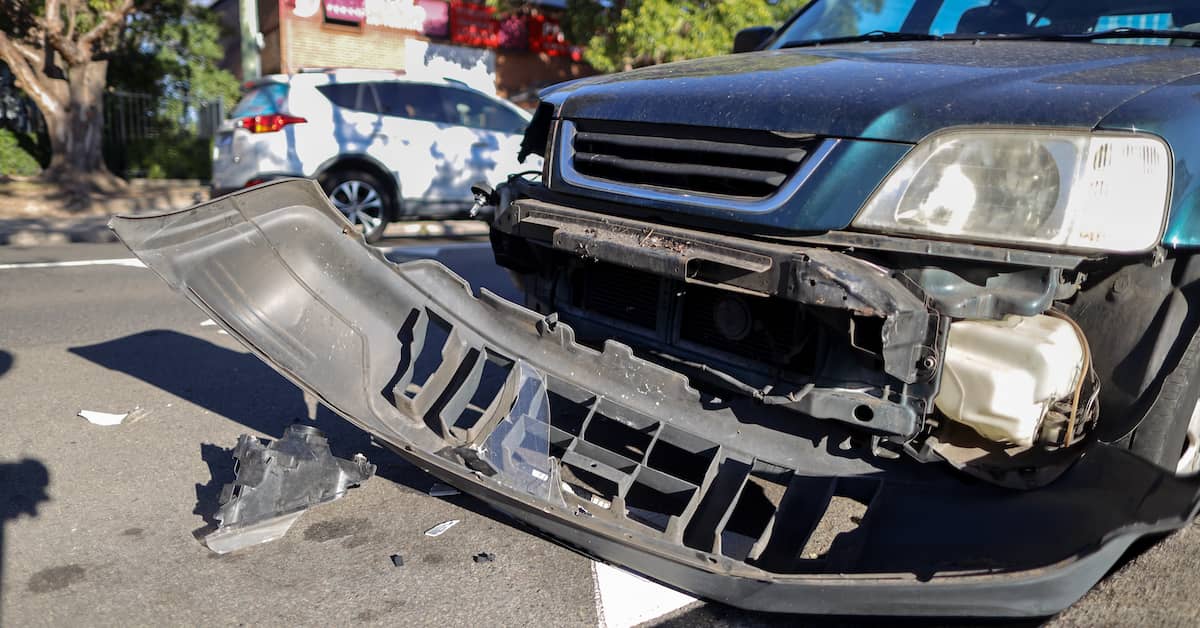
{"points": [[76, 128]]}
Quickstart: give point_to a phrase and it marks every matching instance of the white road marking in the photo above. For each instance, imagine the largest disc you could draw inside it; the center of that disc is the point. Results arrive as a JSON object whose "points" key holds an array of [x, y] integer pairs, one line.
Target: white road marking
{"points": [[624, 600], [131, 262]]}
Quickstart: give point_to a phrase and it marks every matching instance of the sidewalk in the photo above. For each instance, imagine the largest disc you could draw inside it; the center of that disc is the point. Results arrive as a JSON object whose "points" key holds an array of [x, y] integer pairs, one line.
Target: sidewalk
{"points": [[33, 214]]}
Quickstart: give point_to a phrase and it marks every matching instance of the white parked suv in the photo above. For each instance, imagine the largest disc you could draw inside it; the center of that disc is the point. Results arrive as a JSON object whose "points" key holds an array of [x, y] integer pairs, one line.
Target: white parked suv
{"points": [[383, 147]]}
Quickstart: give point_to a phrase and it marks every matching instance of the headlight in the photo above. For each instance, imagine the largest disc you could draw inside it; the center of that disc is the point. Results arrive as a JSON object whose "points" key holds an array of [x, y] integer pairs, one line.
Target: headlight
{"points": [[1050, 189]]}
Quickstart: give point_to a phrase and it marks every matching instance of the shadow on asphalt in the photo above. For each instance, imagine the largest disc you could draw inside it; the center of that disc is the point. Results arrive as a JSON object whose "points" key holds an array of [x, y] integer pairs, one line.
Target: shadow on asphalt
{"points": [[6, 362], [23, 485], [242, 388]]}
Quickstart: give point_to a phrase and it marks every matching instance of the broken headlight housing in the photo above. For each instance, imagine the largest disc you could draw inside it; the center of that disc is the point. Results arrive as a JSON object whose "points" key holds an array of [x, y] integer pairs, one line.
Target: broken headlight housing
{"points": [[1047, 189]]}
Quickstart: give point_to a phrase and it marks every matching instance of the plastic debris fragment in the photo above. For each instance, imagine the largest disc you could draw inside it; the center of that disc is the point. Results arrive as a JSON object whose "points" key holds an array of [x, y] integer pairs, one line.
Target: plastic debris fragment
{"points": [[441, 528], [443, 490], [278, 482], [103, 418]]}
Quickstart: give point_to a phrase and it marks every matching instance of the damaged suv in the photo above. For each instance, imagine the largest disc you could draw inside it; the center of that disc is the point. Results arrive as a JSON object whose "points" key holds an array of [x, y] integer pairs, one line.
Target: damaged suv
{"points": [[896, 315]]}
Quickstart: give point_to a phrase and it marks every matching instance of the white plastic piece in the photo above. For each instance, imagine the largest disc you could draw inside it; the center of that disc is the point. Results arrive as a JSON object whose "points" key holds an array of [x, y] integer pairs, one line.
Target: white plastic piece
{"points": [[1000, 377], [441, 528], [106, 419]]}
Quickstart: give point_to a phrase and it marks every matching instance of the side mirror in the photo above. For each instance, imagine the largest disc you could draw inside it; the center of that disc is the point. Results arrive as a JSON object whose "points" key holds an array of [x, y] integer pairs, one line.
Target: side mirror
{"points": [[750, 39]]}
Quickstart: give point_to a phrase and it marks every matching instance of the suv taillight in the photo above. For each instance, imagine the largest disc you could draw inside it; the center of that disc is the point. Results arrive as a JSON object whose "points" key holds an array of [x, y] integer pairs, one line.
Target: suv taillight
{"points": [[268, 123]]}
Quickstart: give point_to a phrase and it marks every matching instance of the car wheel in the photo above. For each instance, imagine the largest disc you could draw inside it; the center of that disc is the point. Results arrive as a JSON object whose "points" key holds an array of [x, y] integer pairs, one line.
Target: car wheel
{"points": [[1169, 435], [362, 198]]}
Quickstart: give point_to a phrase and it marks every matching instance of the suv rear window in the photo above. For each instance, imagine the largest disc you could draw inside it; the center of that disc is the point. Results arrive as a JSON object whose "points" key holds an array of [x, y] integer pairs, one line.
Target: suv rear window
{"points": [[261, 100]]}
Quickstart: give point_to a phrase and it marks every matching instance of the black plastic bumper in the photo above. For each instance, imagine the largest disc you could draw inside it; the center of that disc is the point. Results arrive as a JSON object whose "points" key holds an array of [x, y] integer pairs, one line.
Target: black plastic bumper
{"points": [[717, 498]]}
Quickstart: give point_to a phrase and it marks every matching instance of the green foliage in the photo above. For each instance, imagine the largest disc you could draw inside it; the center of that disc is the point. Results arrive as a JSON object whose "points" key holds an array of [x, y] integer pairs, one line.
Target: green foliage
{"points": [[171, 49], [635, 33], [625, 34], [173, 155], [171, 52], [17, 154]]}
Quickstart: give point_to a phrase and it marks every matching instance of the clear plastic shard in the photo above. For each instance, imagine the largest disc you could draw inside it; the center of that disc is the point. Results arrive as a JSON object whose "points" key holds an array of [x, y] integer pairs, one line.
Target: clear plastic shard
{"points": [[519, 447]]}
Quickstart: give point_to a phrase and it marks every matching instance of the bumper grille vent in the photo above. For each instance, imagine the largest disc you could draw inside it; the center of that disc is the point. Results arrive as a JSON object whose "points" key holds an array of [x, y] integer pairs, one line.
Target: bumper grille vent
{"points": [[719, 162], [620, 293]]}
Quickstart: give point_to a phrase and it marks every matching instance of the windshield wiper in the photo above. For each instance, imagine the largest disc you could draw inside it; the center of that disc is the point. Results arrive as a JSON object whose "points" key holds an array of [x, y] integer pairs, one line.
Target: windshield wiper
{"points": [[871, 36], [1124, 32]]}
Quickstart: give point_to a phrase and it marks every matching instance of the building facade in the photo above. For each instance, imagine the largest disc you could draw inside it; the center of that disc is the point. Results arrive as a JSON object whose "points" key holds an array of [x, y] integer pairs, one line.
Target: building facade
{"points": [[510, 55]]}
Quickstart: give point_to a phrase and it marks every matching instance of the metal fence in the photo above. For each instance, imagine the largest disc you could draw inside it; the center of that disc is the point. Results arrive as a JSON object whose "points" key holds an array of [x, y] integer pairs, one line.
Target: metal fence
{"points": [[129, 116], [146, 135], [17, 112]]}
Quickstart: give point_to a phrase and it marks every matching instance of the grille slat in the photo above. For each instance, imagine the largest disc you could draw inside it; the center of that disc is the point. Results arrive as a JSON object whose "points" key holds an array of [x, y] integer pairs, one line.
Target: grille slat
{"points": [[650, 171], [790, 154], [728, 163]]}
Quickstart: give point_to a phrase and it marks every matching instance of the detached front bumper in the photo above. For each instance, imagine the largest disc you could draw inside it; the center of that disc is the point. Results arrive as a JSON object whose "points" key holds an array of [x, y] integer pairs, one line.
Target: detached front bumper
{"points": [[621, 459]]}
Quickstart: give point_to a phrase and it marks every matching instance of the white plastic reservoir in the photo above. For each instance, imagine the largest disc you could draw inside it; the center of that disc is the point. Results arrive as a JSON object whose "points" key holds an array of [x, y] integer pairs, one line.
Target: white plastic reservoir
{"points": [[1000, 377]]}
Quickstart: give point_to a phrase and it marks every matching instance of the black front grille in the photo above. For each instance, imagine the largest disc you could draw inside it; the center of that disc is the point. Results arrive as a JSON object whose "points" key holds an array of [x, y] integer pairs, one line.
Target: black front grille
{"points": [[775, 332], [722, 162], [620, 293]]}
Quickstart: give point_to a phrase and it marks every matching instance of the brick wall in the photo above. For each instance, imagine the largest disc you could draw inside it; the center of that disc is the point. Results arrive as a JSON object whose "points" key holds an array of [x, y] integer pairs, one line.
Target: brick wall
{"points": [[519, 74], [312, 43], [299, 42]]}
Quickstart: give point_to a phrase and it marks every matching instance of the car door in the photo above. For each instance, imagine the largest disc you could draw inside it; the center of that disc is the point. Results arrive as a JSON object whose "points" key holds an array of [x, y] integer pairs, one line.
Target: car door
{"points": [[346, 121], [497, 129], [422, 148]]}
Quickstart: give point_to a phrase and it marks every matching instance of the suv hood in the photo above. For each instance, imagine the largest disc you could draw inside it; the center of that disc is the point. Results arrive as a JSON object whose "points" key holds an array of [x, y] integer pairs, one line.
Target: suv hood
{"points": [[885, 91]]}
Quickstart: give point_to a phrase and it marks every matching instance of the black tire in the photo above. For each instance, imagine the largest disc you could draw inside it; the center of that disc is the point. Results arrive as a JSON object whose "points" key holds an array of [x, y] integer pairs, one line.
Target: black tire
{"points": [[362, 198], [1162, 436]]}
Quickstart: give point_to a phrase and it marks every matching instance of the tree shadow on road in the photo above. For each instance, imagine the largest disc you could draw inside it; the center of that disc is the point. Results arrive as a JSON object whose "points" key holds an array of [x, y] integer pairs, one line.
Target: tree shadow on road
{"points": [[228, 383]]}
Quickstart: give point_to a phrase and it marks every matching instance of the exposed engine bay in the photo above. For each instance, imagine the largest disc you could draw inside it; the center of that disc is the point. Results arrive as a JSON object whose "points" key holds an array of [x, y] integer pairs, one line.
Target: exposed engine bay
{"points": [[970, 361]]}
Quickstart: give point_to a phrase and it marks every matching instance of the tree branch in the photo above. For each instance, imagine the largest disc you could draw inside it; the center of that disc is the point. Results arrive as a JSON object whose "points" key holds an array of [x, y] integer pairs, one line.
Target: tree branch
{"points": [[32, 55], [53, 26], [72, 10], [111, 20], [26, 66]]}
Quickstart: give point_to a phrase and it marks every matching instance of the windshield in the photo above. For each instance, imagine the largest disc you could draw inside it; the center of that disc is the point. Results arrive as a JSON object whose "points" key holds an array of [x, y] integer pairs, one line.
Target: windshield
{"points": [[835, 19]]}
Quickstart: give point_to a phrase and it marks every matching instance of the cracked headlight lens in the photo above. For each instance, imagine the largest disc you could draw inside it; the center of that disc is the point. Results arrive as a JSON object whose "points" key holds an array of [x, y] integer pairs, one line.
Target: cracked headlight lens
{"points": [[1047, 189]]}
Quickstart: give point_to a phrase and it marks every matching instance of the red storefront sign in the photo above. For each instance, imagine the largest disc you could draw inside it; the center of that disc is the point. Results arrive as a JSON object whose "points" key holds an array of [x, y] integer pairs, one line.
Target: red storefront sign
{"points": [[351, 11], [437, 18]]}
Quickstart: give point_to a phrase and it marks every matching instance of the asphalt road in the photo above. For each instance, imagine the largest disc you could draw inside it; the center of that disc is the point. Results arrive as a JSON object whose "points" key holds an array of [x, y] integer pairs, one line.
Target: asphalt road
{"points": [[97, 524]]}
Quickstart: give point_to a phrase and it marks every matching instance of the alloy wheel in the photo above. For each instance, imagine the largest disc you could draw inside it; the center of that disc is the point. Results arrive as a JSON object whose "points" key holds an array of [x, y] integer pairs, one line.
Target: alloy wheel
{"points": [[360, 202]]}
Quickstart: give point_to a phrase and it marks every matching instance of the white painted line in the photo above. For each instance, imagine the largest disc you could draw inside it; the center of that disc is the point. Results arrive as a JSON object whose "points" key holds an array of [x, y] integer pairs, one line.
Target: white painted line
{"points": [[131, 262], [624, 600]]}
